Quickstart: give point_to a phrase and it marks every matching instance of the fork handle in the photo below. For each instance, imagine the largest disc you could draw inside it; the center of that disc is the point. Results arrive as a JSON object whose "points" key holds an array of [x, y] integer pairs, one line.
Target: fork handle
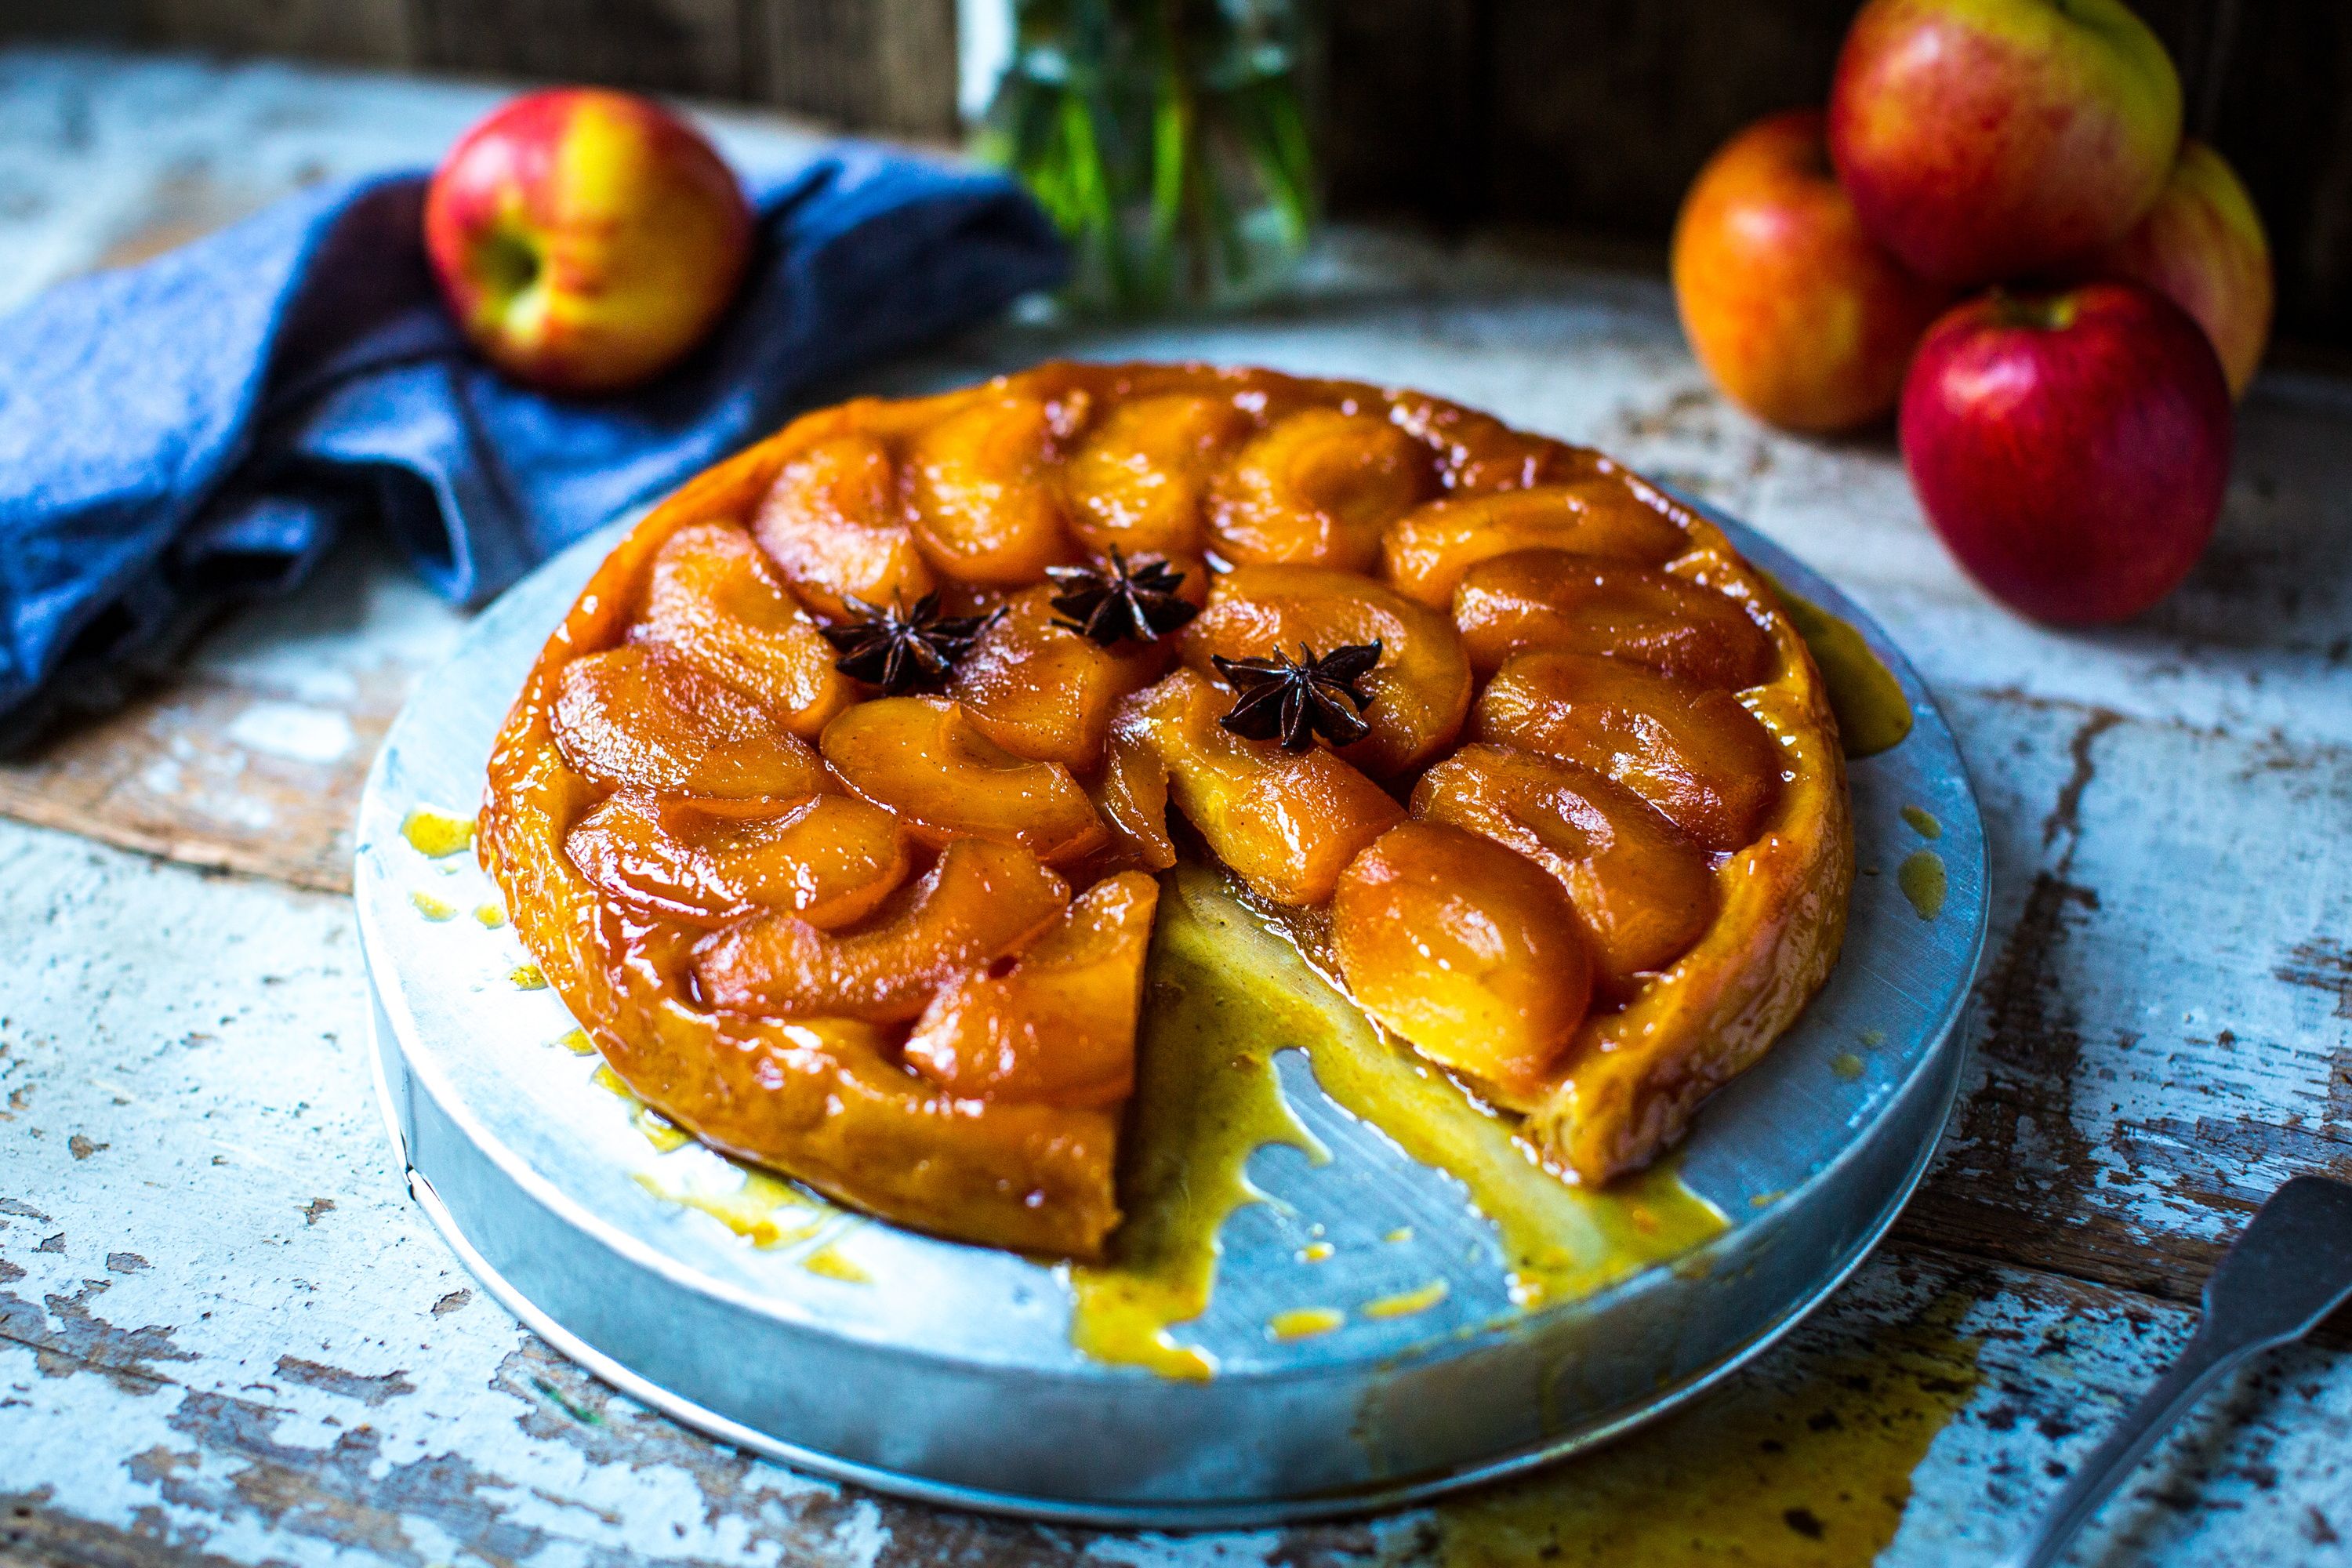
{"points": [[2200, 1363]]}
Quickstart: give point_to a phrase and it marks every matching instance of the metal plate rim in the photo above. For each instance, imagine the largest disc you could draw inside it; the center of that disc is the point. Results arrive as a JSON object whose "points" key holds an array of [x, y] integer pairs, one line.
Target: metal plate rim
{"points": [[1211, 1515]]}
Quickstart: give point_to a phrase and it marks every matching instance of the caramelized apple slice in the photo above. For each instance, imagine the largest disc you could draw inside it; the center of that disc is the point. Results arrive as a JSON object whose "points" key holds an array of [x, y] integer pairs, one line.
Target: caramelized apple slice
{"points": [[1692, 752], [921, 757], [1287, 823], [1057, 1026], [1039, 689], [1136, 480], [1464, 948], [985, 505], [1421, 687], [1426, 551], [631, 717], [1317, 489], [712, 603], [1132, 796], [1548, 598], [832, 525], [829, 859], [1480, 453], [1642, 888], [981, 903]]}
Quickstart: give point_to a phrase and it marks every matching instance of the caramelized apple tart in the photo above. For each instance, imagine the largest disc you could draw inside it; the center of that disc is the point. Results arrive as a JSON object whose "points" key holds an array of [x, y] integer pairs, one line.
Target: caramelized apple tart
{"points": [[834, 810]]}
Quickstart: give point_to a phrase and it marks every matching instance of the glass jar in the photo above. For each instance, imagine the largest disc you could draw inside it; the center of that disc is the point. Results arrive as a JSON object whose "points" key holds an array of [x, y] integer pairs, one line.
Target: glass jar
{"points": [[1166, 139]]}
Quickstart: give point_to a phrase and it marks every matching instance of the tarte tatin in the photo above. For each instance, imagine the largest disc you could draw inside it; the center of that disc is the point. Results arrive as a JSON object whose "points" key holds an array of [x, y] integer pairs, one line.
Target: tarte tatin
{"points": [[834, 809]]}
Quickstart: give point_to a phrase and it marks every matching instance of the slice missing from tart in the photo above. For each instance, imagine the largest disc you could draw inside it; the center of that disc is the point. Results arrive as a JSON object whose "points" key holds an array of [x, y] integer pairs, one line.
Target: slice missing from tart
{"points": [[837, 809]]}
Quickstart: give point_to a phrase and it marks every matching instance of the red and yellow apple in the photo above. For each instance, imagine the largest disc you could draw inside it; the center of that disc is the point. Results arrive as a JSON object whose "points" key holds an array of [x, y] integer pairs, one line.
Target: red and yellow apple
{"points": [[1800, 316], [2203, 247], [586, 239], [2071, 448], [1984, 140]]}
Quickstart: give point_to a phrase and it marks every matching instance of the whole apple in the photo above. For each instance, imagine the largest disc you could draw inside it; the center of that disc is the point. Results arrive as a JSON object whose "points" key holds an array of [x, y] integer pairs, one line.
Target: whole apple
{"points": [[586, 239], [1800, 316], [1989, 138], [2071, 448], [2203, 247]]}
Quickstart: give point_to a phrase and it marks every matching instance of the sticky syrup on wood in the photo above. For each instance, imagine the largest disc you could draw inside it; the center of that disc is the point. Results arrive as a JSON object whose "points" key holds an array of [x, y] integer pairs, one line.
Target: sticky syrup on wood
{"points": [[1799, 1464]]}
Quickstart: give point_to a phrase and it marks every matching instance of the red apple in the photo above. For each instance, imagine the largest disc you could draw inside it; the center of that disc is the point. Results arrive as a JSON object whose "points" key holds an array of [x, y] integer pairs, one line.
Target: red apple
{"points": [[1800, 317], [586, 239], [2070, 447], [1988, 139], [2202, 245]]}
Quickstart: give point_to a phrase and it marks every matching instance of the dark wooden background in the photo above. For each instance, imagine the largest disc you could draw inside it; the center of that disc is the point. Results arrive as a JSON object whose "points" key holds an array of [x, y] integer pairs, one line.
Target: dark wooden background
{"points": [[1585, 116]]}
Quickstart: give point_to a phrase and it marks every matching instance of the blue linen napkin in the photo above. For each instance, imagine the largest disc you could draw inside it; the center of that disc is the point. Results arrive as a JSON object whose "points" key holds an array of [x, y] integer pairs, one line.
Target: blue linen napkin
{"points": [[198, 428]]}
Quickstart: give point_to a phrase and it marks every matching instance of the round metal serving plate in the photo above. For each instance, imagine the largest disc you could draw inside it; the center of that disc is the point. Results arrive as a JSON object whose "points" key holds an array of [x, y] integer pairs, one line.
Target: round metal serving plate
{"points": [[946, 1374]]}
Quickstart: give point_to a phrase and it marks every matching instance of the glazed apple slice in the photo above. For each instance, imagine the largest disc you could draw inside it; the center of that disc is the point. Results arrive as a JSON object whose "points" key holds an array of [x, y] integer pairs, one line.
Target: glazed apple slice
{"points": [[1464, 948], [1137, 480], [1130, 794], [921, 758], [986, 507], [1041, 690], [1420, 688], [834, 527], [1692, 752], [828, 859], [980, 903], [1642, 888], [1288, 823], [1481, 454], [1426, 551], [712, 603], [1058, 1027], [630, 717], [1317, 488], [1548, 598]]}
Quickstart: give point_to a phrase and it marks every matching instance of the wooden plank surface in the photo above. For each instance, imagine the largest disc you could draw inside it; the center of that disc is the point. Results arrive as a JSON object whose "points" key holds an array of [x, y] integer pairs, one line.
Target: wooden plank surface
{"points": [[225, 1334]]}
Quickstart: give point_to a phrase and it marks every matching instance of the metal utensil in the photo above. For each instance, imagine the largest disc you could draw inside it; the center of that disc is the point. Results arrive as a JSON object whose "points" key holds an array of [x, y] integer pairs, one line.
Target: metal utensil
{"points": [[2290, 1268]]}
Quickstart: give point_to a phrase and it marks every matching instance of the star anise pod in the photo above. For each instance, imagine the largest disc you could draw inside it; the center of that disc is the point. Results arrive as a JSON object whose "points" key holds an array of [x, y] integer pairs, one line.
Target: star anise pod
{"points": [[902, 650], [1110, 603], [1294, 700]]}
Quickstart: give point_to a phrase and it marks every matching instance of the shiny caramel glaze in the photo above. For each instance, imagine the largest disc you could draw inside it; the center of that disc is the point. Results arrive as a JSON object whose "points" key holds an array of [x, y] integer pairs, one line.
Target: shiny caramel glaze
{"points": [[894, 946]]}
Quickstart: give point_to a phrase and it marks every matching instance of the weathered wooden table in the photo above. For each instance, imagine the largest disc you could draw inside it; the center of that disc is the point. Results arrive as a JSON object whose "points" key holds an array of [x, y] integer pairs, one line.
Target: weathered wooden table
{"points": [[227, 1336]]}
